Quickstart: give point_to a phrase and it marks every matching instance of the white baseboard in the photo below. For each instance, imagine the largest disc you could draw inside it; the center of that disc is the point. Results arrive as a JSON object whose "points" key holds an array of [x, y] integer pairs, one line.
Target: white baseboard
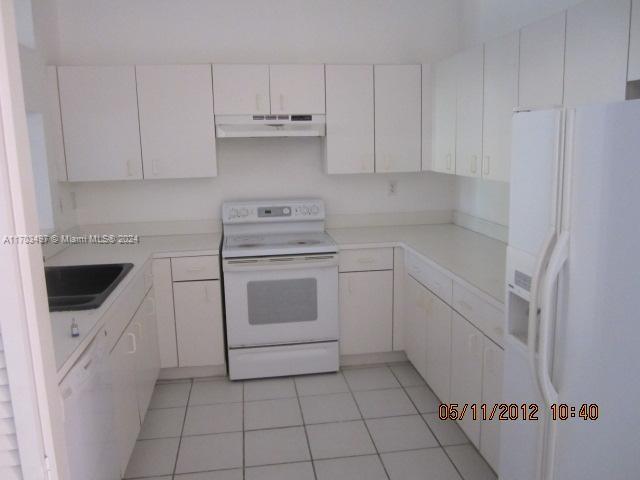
{"points": [[193, 372], [482, 226], [372, 358]]}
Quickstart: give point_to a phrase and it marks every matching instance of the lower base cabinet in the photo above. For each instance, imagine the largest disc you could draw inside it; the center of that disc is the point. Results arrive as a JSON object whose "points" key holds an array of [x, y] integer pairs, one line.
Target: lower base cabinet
{"points": [[491, 395], [200, 338], [366, 312], [415, 328], [135, 364], [466, 372]]}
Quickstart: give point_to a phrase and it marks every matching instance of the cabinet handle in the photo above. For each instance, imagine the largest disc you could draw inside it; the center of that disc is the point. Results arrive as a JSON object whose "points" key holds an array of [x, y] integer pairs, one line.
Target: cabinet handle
{"points": [[350, 286], [139, 327], [474, 163], [486, 165], [258, 109], [206, 293], [154, 167], [134, 344], [152, 307], [197, 268], [281, 102], [366, 260], [465, 306], [473, 343], [129, 169], [448, 159]]}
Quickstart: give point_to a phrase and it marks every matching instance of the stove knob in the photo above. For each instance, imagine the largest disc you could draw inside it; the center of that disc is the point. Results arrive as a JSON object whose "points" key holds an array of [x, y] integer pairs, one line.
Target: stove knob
{"points": [[233, 213], [244, 212], [315, 210], [286, 210]]}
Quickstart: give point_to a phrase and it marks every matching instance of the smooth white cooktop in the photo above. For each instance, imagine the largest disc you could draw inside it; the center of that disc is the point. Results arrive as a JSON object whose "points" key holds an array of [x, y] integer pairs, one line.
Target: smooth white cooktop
{"points": [[296, 243]]}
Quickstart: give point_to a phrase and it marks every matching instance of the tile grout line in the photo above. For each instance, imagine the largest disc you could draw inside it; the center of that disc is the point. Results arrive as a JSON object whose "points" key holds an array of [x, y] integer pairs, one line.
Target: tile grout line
{"points": [[375, 447], [184, 421], [304, 426], [423, 419]]}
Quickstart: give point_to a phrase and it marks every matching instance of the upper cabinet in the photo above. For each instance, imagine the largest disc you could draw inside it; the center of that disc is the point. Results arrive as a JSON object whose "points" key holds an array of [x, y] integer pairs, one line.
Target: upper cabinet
{"points": [[500, 98], [241, 89], [541, 73], [176, 121], [443, 158], [100, 123], [427, 108], [398, 114], [597, 52], [350, 129], [297, 89], [470, 91], [634, 46], [53, 128]]}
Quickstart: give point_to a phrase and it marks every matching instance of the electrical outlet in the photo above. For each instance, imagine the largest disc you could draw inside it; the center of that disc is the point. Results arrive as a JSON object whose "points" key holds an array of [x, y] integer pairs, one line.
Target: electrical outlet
{"points": [[393, 188]]}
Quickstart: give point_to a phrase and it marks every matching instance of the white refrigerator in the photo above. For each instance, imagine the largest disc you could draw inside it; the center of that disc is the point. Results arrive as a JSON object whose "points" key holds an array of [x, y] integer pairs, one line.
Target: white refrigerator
{"points": [[574, 254]]}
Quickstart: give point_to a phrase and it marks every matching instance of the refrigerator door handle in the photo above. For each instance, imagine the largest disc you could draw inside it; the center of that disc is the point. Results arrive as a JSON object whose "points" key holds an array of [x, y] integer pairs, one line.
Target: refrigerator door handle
{"points": [[532, 327], [556, 262]]}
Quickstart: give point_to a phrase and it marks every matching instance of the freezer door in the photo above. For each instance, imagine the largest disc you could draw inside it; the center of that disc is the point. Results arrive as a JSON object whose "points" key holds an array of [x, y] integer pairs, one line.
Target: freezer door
{"points": [[598, 324], [535, 165]]}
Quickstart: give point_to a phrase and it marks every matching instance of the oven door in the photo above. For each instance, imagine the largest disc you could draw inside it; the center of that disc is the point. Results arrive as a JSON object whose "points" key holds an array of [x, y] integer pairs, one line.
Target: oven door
{"points": [[279, 300]]}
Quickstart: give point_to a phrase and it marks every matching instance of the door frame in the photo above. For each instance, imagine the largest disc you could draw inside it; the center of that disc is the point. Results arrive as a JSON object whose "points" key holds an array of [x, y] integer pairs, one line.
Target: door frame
{"points": [[25, 320]]}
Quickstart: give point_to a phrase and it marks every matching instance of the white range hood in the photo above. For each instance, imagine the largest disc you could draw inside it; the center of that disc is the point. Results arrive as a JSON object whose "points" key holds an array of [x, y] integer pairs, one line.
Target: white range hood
{"points": [[243, 126]]}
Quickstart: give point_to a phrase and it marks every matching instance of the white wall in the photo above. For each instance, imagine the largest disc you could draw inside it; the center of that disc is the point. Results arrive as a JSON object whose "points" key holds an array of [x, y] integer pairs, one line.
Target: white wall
{"points": [[253, 31], [254, 168], [481, 20]]}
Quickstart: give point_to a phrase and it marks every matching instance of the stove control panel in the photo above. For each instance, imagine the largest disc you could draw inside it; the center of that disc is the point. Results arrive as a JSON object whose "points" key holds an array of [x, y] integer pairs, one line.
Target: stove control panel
{"points": [[273, 211]]}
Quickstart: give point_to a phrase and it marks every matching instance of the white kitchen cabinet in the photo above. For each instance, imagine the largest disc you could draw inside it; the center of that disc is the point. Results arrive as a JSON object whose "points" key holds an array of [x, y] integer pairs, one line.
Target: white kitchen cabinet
{"points": [[297, 89], [147, 353], [350, 134], [176, 121], [398, 140], [127, 418], [241, 89], [165, 317], [100, 122], [466, 372], [491, 395], [541, 71], [415, 328], [597, 52], [444, 116], [366, 312], [634, 44], [469, 104], [427, 116], [438, 346], [198, 313], [500, 98], [53, 124]]}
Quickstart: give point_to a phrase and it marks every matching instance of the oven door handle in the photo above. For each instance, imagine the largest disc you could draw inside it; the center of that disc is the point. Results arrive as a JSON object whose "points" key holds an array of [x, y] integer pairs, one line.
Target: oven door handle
{"points": [[280, 263]]}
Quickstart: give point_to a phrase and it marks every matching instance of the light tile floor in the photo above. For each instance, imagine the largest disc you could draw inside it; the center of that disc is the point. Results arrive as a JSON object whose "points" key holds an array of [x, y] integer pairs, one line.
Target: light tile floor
{"points": [[364, 423]]}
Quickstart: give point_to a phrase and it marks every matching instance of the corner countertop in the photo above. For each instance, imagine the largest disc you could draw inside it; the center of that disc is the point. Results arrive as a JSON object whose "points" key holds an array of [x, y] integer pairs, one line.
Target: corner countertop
{"points": [[473, 258], [89, 321]]}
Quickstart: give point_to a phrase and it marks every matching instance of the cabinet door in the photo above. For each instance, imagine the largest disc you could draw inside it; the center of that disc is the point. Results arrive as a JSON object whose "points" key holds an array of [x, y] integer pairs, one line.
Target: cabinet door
{"points": [[470, 93], [349, 142], [427, 116], [127, 418], [415, 329], [148, 354], [397, 120], [176, 121], [438, 346], [634, 45], [100, 122], [241, 89], [597, 52], [165, 317], [53, 125], [198, 309], [500, 98], [444, 116], [366, 312], [297, 88], [491, 395], [466, 372], [541, 74]]}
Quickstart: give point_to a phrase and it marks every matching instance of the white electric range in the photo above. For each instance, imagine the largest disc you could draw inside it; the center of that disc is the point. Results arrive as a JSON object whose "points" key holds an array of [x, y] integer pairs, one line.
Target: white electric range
{"points": [[280, 272]]}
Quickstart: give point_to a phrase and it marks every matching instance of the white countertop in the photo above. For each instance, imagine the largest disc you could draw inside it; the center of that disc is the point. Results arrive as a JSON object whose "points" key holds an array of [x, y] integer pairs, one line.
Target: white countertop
{"points": [[474, 258], [89, 321]]}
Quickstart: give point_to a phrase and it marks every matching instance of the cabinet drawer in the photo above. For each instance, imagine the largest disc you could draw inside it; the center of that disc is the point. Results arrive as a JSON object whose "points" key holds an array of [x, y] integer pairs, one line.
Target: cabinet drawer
{"points": [[366, 259], [195, 268], [430, 277], [483, 315]]}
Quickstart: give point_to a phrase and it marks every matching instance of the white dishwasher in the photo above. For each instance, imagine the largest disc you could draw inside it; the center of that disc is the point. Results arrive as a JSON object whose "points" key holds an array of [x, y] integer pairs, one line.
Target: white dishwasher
{"points": [[89, 416]]}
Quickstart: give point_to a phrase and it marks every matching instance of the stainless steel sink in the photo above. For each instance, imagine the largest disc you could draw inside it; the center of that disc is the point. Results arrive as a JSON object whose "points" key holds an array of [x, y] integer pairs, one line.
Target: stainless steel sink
{"points": [[82, 287]]}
